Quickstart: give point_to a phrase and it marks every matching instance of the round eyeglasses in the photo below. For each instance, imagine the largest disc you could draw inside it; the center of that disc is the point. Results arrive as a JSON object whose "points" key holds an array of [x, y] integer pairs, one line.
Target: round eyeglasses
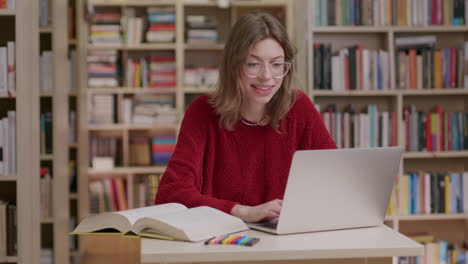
{"points": [[255, 69]]}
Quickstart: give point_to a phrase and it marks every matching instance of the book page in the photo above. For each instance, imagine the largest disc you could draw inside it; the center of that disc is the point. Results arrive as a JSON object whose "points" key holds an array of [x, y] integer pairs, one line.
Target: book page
{"points": [[197, 223], [151, 211]]}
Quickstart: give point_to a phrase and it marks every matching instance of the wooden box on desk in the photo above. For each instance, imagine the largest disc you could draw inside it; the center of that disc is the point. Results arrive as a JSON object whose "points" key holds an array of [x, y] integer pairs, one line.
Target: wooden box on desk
{"points": [[111, 248]]}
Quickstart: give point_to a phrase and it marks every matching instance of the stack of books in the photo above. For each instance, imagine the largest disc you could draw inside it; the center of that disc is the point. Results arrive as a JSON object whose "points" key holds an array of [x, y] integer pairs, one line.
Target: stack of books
{"points": [[102, 68], [103, 109], [108, 195], [201, 76], [147, 190], [162, 72], [106, 29], [202, 30], [154, 109], [162, 149], [161, 22]]}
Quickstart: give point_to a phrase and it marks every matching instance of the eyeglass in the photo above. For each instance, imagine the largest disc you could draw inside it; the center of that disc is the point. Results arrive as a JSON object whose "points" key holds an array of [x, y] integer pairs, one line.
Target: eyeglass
{"points": [[255, 69]]}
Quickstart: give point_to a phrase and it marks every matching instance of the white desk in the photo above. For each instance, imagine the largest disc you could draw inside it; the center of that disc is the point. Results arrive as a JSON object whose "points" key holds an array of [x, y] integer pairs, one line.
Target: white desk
{"points": [[373, 242]]}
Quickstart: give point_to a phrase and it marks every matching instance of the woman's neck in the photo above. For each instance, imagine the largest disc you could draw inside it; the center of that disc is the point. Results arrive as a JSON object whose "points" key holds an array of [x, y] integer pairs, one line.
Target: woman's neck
{"points": [[255, 113]]}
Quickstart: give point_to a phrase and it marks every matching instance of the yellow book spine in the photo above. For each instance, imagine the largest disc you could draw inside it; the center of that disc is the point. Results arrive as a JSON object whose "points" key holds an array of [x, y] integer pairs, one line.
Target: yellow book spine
{"points": [[447, 194]]}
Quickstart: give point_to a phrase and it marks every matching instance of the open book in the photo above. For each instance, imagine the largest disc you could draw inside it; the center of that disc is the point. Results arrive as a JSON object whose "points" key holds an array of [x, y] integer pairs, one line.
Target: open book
{"points": [[170, 221]]}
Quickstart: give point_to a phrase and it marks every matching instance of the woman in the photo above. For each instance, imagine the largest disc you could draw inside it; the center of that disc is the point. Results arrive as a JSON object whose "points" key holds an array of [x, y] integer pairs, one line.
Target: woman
{"points": [[235, 146]]}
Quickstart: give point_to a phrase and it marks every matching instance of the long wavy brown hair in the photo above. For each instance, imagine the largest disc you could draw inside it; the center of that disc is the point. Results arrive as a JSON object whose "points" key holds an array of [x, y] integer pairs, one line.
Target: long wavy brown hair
{"points": [[227, 97]]}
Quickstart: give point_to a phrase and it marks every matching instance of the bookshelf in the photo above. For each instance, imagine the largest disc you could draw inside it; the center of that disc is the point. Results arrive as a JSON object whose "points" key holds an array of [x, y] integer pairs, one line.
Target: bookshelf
{"points": [[450, 227], [19, 186], [185, 53], [56, 100]]}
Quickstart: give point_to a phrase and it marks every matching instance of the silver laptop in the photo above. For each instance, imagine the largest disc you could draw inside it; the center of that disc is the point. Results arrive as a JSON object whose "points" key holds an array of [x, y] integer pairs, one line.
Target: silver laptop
{"points": [[336, 189]]}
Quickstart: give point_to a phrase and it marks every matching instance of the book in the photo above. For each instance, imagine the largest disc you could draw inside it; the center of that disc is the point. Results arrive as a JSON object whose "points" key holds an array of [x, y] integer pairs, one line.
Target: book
{"points": [[166, 221]]}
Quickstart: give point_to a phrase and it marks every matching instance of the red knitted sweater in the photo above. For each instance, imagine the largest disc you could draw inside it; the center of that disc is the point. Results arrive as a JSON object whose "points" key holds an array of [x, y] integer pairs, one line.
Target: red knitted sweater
{"points": [[249, 165]]}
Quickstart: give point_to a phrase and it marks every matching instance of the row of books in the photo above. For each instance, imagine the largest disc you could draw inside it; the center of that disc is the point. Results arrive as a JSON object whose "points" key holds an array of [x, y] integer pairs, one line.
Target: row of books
{"points": [[150, 109], [8, 4], [45, 184], [151, 151], [389, 12], [102, 68], [152, 72], [435, 130], [8, 144], [437, 252], [7, 68], [147, 190], [433, 193], [46, 133], [353, 68], [106, 146], [351, 129], [8, 229], [108, 195], [418, 64], [201, 29]]}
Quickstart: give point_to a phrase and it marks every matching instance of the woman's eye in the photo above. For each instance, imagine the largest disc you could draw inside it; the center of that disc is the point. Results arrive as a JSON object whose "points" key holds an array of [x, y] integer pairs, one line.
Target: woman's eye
{"points": [[253, 64], [277, 64]]}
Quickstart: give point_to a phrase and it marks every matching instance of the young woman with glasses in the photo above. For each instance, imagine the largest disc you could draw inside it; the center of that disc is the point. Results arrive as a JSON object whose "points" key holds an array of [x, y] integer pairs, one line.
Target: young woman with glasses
{"points": [[235, 145]]}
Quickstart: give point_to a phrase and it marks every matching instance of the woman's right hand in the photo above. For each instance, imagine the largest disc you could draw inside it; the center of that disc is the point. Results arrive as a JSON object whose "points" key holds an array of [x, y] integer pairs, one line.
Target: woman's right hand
{"points": [[263, 212]]}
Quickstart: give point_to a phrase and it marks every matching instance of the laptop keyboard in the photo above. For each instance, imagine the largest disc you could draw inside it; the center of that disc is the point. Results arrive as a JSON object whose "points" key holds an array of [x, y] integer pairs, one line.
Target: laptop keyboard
{"points": [[269, 224]]}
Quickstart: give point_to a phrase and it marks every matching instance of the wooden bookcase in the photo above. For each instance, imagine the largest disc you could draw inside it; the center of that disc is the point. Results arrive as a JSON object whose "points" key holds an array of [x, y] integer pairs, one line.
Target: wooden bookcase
{"points": [[184, 53], [449, 227], [23, 187], [54, 230]]}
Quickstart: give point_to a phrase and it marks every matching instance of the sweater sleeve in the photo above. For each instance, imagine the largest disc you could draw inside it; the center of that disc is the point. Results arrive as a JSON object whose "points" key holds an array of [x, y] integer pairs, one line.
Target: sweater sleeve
{"points": [[314, 134], [183, 179]]}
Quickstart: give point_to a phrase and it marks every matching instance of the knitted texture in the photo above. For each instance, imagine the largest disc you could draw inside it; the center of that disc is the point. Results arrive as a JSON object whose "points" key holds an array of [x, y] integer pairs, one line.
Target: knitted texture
{"points": [[250, 165]]}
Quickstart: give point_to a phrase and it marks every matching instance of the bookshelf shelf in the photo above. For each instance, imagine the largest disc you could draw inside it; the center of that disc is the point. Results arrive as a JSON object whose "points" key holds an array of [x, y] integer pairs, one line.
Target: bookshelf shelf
{"points": [[127, 170], [46, 157], [354, 93], [443, 154], [376, 29], [4, 259], [204, 47], [143, 46], [452, 91], [131, 127], [350, 29], [46, 94], [197, 90], [5, 178], [429, 217], [45, 30], [47, 221], [131, 3], [7, 12], [424, 92], [5, 95], [125, 90]]}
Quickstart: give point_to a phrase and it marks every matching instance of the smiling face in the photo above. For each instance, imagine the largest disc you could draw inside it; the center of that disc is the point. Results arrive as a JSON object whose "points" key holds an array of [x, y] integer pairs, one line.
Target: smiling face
{"points": [[258, 91]]}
